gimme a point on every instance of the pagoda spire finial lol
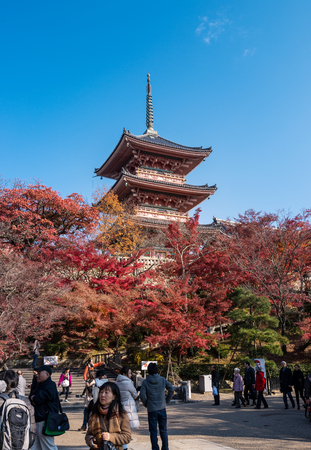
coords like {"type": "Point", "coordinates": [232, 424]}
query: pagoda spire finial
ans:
{"type": "Point", "coordinates": [149, 108]}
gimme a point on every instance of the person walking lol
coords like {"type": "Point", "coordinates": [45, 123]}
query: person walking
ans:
{"type": "Point", "coordinates": [215, 384]}
{"type": "Point", "coordinates": [260, 385]}
{"type": "Point", "coordinates": [298, 382]}
{"type": "Point", "coordinates": [249, 383]}
{"type": "Point", "coordinates": [44, 399]}
{"type": "Point", "coordinates": [21, 387]}
{"type": "Point", "coordinates": [238, 388]}
{"type": "Point", "coordinates": [152, 395]}
{"type": "Point", "coordinates": [128, 396]}
{"type": "Point", "coordinates": [286, 384]}
{"type": "Point", "coordinates": [90, 383]}
{"type": "Point", "coordinates": [36, 352]}
{"type": "Point", "coordinates": [65, 382]}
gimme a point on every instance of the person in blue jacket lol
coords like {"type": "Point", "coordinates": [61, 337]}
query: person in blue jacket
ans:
{"type": "Point", "coordinates": [153, 397]}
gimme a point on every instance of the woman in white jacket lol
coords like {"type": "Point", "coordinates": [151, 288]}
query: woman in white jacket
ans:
{"type": "Point", "coordinates": [128, 396]}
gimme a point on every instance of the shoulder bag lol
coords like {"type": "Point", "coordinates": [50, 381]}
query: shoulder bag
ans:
{"type": "Point", "coordinates": [107, 445]}
{"type": "Point", "coordinates": [55, 424]}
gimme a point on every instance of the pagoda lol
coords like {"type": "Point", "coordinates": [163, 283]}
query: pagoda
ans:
{"type": "Point", "coordinates": [150, 174]}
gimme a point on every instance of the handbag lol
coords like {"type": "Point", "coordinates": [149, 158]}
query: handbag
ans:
{"type": "Point", "coordinates": [65, 382]}
{"type": "Point", "coordinates": [55, 424]}
{"type": "Point", "coordinates": [107, 445]}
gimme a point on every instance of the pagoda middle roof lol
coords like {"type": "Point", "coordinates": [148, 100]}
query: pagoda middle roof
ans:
{"type": "Point", "coordinates": [152, 143]}
{"type": "Point", "coordinates": [123, 187]}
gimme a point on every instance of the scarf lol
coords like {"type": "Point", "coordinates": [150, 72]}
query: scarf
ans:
{"type": "Point", "coordinates": [97, 425]}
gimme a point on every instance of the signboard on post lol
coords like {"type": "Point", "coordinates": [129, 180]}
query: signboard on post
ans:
{"type": "Point", "coordinates": [50, 360]}
{"type": "Point", "coordinates": [261, 362]}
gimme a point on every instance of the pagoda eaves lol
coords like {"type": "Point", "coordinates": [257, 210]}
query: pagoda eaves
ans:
{"type": "Point", "coordinates": [150, 174]}
{"type": "Point", "coordinates": [131, 146]}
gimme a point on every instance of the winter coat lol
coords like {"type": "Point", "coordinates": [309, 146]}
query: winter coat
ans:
{"type": "Point", "coordinates": [21, 385]}
{"type": "Point", "coordinates": [215, 379]}
{"type": "Point", "coordinates": [98, 384]}
{"type": "Point", "coordinates": [249, 378]}
{"type": "Point", "coordinates": [237, 383]}
{"type": "Point", "coordinates": [45, 399]}
{"type": "Point", "coordinates": [152, 392]}
{"type": "Point", "coordinates": [298, 379]}
{"type": "Point", "coordinates": [285, 380]}
{"type": "Point", "coordinates": [128, 396]}
{"type": "Point", "coordinates": [64, 377]}
{"type": "Point", "coordinates": [90, 368]}
{"type": "Point", "coordinates": [260, 382]}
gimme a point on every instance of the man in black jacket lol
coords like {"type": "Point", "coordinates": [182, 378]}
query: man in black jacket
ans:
{"type": "Point", "coordinates": [44, 398]}
{"type": "Point", "coordinates": [286, 384]}
{"type": "Point", "coordinates": [215, 383]}
{"type": "Point", "coordinates": [249, 382]}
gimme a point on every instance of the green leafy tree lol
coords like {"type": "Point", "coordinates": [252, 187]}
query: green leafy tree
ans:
{"type": "Point", "coordinates": [254, 330]}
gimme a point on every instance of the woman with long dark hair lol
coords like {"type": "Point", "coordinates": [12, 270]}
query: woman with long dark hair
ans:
{"type": "Point", "coordinates": [109, 421]}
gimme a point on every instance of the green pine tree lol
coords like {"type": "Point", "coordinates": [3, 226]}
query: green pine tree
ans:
{"type": "Point", "coordinates": [254, 330]}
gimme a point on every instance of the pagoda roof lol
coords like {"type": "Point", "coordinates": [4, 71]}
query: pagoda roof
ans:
{"type": "Point", "coordinates": [150, 143]}
{"type": "Point", "coordinates": [127, 181]}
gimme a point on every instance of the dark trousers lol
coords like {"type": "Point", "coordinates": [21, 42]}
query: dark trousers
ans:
{"type": "Point", "coordinates": [299, 390]}
{"type": "Point", "coordinates": [262, 399]}
{"type": "Point", "coordinates": [290, 397]}
{"type": "Point", "coordinates": [35, 357]}
{"type": "Point", "coordinates": [155, 418]}
{"type": "Point", "coordinates": [216, 399]}
{"type": "Point", "coordinates": [85, 417]}
{"type": "Point", "coordinates": [65, 391]}
{"type": "Point", "coordinates": [237, 397]}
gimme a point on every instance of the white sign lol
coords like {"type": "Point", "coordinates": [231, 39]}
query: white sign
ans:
{"type": "Point", "coordinates": [145, 364]}
{"type": "Point", "coordinates": [50, 360]}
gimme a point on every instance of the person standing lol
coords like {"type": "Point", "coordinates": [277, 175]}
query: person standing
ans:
{"type": "Point", "coordinates": [36, 352]}
{"type": "Point", "coordinates": [238, 388]}
{"type": "Point", "coordinates": [152, 395]}
{"type": "Point", "coordinates": [215, 384]}
{"type": "Point", "coordinates": [128, 396]}
{"type": "Point", "coordinates": [260, 385]}
{"type": "Point", "coordinates": [249, 382]}
{"type": "Point", "coordinates": [298, 382]}
{"type": "Point", "coordinates": [44, 399]}
{"type": "Point", "coordinates": [21, 387]}
{"type": "Point", "coordinates": [65, 382]}
{"type": "Point", "coordinates": [286, 384]}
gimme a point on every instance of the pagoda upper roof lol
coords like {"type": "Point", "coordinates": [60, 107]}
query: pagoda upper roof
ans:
{"type": "Point", "coordinates": [127, 181]}
{"type": "Point", "coordinates": [150, 143]}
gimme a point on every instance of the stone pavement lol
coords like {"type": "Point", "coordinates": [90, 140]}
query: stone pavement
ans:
{"type": "Point", "coordinates": [201, 426]}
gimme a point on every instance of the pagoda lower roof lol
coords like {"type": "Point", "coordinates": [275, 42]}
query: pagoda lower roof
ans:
{"type": "Point", "coordinates": [150, 143]}
{"type": "Point", "coordinates": [127, 181]}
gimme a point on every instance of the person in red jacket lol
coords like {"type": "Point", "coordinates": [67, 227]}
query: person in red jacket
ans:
{"type": "Point", "coordinates": [260, 384]}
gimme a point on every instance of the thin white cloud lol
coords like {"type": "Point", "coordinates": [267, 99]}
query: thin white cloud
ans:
{"type": "Point", "coordinates": [202, 25]}
{"type": "Point", "coordinates": [211, 30]}
{"type": "Point", "coordinates": [250, 51]}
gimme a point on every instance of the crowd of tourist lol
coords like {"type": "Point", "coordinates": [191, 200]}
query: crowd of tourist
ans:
{"type": "Point", "coordinates": [110, 408]}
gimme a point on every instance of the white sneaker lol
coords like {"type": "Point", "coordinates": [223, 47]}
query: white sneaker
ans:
{"type": "Point", "coordinates": [66, 400]}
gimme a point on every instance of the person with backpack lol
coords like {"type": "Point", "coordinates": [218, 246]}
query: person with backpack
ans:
{"type": "Point", "coordinates": [65, 382]}
{"type": "Point", "coordinates": [12, 405]}
{"type": "Point", "coordinates": [45, 399]}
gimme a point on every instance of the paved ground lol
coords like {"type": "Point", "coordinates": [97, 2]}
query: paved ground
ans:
{"type": "Point", "coordinates": [200, 426]}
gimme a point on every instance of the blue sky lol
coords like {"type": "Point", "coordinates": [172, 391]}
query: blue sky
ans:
{"type": "Point", "coordinates": [234, 75]}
